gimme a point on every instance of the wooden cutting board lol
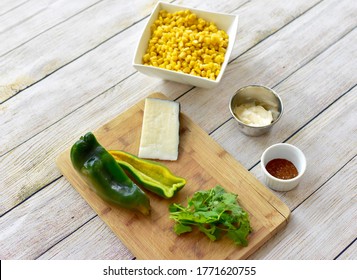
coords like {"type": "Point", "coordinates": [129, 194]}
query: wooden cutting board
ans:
{"type": "Point", "coordinates": [204, 164]}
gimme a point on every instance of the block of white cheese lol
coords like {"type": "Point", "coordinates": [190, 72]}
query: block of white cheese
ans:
{"type": "Point", "coordinates": [160, 130]}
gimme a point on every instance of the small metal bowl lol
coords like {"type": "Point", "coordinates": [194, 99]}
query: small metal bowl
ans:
{"type": "Point", "coordinates": [262, 95]}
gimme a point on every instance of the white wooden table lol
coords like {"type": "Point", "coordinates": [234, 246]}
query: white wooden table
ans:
{"type": "Point", "coordinates": [65, 69]}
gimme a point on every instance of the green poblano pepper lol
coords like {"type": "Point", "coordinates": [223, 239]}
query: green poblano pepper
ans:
{"type": "Point", "coordinates": [106, 177]}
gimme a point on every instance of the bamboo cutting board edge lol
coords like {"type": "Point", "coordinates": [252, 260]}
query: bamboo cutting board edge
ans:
{"type": "Point", "coordinates": [271, 225]}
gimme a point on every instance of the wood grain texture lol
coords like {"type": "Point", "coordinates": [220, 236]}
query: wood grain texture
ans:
{"type": "Point", "coordinates": [295, 45]}
{"type": "Point", "coordinates": [102, 62]}
{"type": "Point", "coordinates": [9, 5]}
{"type": "Point", "coordinates": [30, 18]}
{"type": "Point", "coordinates": [319, 222]}
{"type": "Point", "coordinates": [204, 165]}
{"type": "Point", "coordinates": [74, 93]}
{"type": "Point", "coordinates": [318, 227]}
{"type": "Point", "coordinates": [30, 156]}
{"type": "Point", "coordinates": [315, 142]}
{"type": "Point", "coordinates": [66, 45]}
{"type": "Point", "coordinates": [350, 253]}
{"type": "Point", "coordinates": [305, 93]}
{"type": "Point", "coordinates": [94, 240]}
{"type": "Point", "coordinates": [111, 61]}
{"type": "Point", "coordinates": [304, 49]}
{"type": "Point", "coordinates": [37, 224]}
{"type": "Point", "coordinates": [64, 41]}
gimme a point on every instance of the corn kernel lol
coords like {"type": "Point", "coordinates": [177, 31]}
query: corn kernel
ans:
{"type": "Point", "coordinates": [218, 59]}
{"type": "Point", "coordinates": [182, 55]}
{"type": "Point", "coordinates": [186, 70]}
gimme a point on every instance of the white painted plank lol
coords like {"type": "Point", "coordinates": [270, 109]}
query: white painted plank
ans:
{"type": "Point", "coordinates": [312, 132]}
{"type": "Point", "coordinates": [34, 17]}
{"type": "Point", "coordinates": [257, 20]}
{"type": "Point", "coordinates": [323, 225]}
{"type": "Point", "coordinates": [305, 93]}
{"type": "Point", "coordinates": [7, 6]}
{"type": "Point", "coordinates": [110, 61]}
{"type": "Point", "coordinates": [41, 169]}
{"type": "Point", "coordinates": [325, 152]}
{"type": "Point", "coordinates": [337, 145]}
{"type": "Point", "coordinates": [61, 44]}
{"type": "Point", "coordinates": [16, 187]}
{"type": "Point", "coordinates": [41, 166]}
{"type": "Point", "coordinates": [272, 60]}
{"type": "Point", "coordinates": [90, 75]}
{"type": "Point", "coordinates": [22, 70]}
{"type": "Point", "coordinates": [57, 89]}
{"type": "Point", "coordinates": [42, 221]}
{"type": "Point", "coordinates": [20, 76]}
{"type": "Point", "coordinates": [31, 208]}
{"type": "Point", "coordinates": [37, 156]}
{"type": "Point", "coordinates": [350, 253]}
{"type": "Point", "coordinates": [92, 241]}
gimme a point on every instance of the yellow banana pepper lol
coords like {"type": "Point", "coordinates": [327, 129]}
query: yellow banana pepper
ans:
{"type": "Point", "coordinates": [151, 175]}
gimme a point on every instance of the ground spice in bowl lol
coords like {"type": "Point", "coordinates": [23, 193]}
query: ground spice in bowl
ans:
{"type": "Point", "coordinates": [282, 169]}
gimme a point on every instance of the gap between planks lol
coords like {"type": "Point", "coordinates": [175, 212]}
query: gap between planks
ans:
{"type": "Point", "coordinates": [84, 53]}
{"type": "Point", "coordinates": [235, 58]}
{"type": "Point", "coordinates": [116, 84]}
{"type": "Point", "coordinates": [43, 31]}
{"type": "Point", "coordinates": [321, 185]}
{"type": "Point", "coordinates": [128, 27]}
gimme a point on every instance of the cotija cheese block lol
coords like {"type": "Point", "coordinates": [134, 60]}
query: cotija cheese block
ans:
{"type": "Point", "coordinates": [160, 130]}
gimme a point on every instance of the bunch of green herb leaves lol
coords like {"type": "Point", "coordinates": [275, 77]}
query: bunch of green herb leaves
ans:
{"type": "Point", "coordinates": [214, 212]}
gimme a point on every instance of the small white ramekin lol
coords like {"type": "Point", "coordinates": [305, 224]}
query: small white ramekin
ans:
{"type": "Point", "coordinates": [288, 152]}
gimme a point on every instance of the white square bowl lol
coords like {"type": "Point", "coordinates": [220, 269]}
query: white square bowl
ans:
{"type": "Point", "coordinates": [226, 22]}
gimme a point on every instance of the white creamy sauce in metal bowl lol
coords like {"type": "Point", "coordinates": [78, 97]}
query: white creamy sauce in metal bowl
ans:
{"type": "Point", "coordinates": [253, 114]}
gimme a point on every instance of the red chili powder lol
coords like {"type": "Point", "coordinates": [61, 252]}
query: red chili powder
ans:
{"type": "Point", "coordinates": [282, 169]}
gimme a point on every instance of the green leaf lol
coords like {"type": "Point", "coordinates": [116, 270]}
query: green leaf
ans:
{"type": "Point", "coordinates": [210, 232]}
{"type": "Point", "coordinates": [173, 208]}
{"type": "Point", "coordinates": [239, 236]}
{"type": "Point", "coordinates": [213, 212]}
{"type": "Point", "coordinates": [180, 228]}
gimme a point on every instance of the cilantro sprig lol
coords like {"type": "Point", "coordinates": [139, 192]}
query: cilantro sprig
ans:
{"type": "Point", "coordinates": [214, 212]}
